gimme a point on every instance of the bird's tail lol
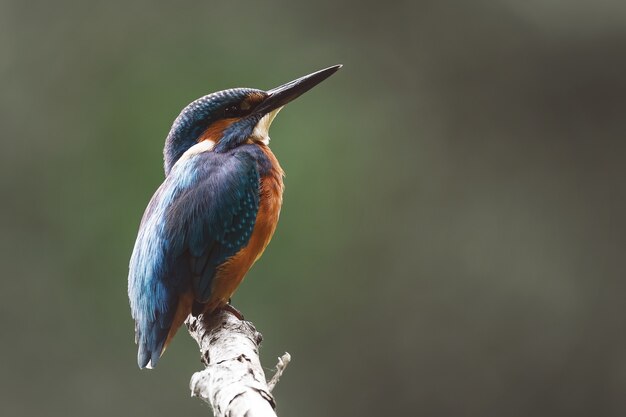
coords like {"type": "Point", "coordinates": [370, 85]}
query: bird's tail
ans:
{"type": "Point", "coordinates": [153, 342]}
{"type": "Point", "coordinates": [150, 338]}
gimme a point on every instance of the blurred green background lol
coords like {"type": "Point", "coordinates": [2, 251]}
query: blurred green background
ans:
{"type": "Point", "coordinates": [452, 238]}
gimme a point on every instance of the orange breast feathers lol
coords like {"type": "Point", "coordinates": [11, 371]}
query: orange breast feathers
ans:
{"type": "Point", "coordinates": [231, 273]}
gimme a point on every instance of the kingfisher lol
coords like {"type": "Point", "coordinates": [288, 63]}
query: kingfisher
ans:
{"type": "Point", "coordinates": [213, 215]}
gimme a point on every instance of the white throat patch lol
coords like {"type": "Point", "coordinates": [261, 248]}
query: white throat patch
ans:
{"type": "Point", "coordinates": [261, 130]}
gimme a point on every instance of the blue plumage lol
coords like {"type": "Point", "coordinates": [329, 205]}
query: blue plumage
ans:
{"type": "Point", "coordinates": [202, 214]}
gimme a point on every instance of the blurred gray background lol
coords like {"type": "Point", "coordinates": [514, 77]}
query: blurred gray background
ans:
{"type": "Point", "coordinates": [452, 237]}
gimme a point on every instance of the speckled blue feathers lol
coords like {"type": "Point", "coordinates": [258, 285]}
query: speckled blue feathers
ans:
{"type": "Point", "coordinates": [202, 214]}
{"type": "Point", "coordinates": [195, 119]}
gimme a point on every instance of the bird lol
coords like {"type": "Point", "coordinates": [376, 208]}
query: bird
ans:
{"type": "Point", "coordinates": [213, 215]}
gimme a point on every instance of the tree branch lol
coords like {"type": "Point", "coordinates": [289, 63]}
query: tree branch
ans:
{"type": "Point", "coordinates": [283, 361]}
{"type": "Point", "coordinates": [233, 382]}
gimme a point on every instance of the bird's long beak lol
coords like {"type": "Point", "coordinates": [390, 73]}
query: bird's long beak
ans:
{"type": "Point", "coordinates": [279, 96]}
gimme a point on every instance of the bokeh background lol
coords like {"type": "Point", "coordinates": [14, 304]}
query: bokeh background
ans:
{"type": "Point", "coordinates": [453, 234]}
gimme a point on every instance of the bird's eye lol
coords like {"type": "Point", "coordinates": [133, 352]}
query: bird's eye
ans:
{"type": "Point", "coordinates": [232, 111]}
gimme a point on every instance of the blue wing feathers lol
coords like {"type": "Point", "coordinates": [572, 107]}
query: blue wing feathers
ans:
{"type": "Point", "coordinates": [202, 214]}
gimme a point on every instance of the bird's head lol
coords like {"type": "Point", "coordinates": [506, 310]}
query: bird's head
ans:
{"type": "Point", "coordinates": [227, 119]}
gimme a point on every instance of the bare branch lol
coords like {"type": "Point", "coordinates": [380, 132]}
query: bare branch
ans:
{"type": "Point", "coordinates": [233, 382]}
{"type": "Point", "coordinates": [282, 364]}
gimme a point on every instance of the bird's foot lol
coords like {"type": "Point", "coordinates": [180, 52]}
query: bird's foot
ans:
{"type": "Point", "coordinates": [229, 307]}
